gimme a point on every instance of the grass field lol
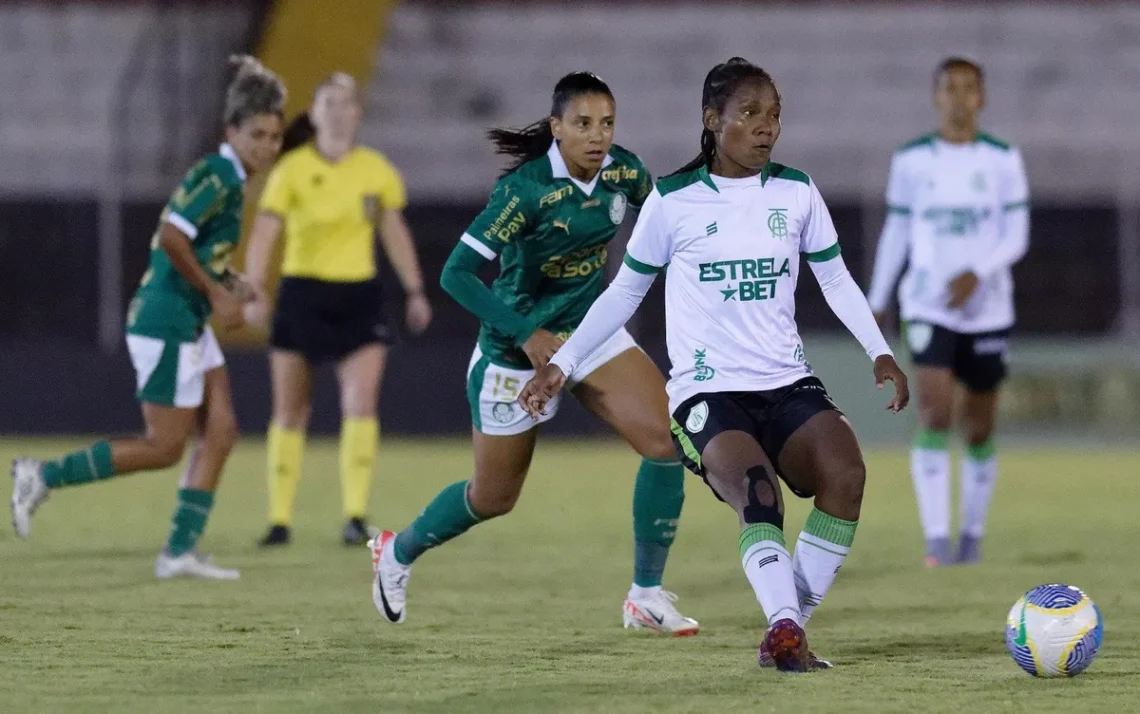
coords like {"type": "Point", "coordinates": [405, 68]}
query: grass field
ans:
{"type": "Point", "coordinates": [523, 614]}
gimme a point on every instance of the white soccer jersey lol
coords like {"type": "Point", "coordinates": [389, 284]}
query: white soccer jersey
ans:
{"type": "Point", "coordinates": [732, 250]}
{"type": "Point", "coordinates": [953, 208]}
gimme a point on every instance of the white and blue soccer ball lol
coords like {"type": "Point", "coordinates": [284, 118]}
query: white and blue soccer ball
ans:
{"type": "Point", "coordinates": [1054, 631]}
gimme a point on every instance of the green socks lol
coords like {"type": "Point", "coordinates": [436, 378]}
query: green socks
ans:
{"type": "Point", "coordinates": [189, 520]}
{"type": "Point", "coordinates": [658, 495]}
{"type": "Point", "coordinates": [448, 516]}
{"type": "Point", "coordinates": [93, 464]}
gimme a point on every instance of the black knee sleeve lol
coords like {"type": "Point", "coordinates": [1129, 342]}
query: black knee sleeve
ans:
{"type": "Point", "coordinates": [762, 502]}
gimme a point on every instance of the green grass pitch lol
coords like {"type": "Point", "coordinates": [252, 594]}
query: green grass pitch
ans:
{"type": "Point", "coordinates": [523, 614]}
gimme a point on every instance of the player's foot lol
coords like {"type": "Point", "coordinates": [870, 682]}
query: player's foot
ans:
{"type": "Point", "coordinates": [786, 644]}
{"type": "Point", "coordinates": [28, 492]}
{"type": "Point", "coordinates": [389, 578]}
{"type": "Point", "coordinates": [654, 610]}
{"type": "Point", "coordinates": [765, 659]}
{"type": "Point", "coordinates": [357, 532]}
{"type": "Point", "coordinates": [969, 549]}
{"type": "Point", "coordinates": [191, 565]}
{"type": "Point", "coordinates": [938, 552]}
{"type": "Point", "coordinates": [277, 535]}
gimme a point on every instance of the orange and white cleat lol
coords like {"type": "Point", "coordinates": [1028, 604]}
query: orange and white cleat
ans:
{"type": "Point", "coordinates": [653, 609]}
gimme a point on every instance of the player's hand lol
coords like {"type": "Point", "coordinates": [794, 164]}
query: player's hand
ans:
{"type": "Point", "coordinates": [546, 382]}
{"type": "Point", "coordinates": [540, 347]}
{"type": "Point", "coordinates": [239, 285]}
{"type": "Point", "coordinates": [886, 369]}
{"type": "Point", "coordinates": [961, 288]}
{"type": "Point", "coordinates": [227, 307]}
{"type": "Point", "coordinates": [417, 313]}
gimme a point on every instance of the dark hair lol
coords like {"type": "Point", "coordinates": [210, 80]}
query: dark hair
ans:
{"type": "Point", "coordinates": [958, 62]}
{"type": "Point", "coordinates": [721, 83]}
{"type": "Point", "coordinates": [301, 130]}
{"type": "Point", "coordinates": [533, 141]}
{"type": "Point", "coordinates": [253, 90]}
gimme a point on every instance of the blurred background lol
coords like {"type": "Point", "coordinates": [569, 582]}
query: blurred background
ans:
{"type": "Point", "coordinates": [103, 105]}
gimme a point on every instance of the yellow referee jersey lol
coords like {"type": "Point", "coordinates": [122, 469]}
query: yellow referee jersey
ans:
{"type": "Point", "coordinates": [330, 211]}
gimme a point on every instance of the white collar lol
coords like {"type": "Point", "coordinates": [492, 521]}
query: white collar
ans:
{"type": "Point", "coordinates": [228, 151]}
{"type": "Point", "coordinates": [558, 168]}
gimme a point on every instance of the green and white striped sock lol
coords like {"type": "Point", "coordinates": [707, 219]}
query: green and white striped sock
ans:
{"type": "Point", "coordinates": [822, 547]}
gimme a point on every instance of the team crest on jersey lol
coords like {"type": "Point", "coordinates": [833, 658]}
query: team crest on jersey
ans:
{"type": "Point", "coordinates": [698, 415]}
{"type": "Point", "coordinates": [617, 209]}
{"type": "Point", "coordinates": [778, 222]}
{"type": "Point", "coordinates": [918, 336]}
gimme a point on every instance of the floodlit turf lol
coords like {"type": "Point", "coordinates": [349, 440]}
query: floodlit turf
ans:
{"type": "Point", "coordinates": [524, 615]}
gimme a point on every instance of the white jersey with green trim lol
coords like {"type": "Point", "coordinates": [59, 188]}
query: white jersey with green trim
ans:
{"type": "Point", "coordinates": [732, 247]}
{"type": "Point", "coordinates": [953, 208]}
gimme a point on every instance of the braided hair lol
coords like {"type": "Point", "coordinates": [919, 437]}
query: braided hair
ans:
{"type": "Point", "coordinates": [720, 84]}
{"type": "Point", "coordinates": [253, 90]}
{"type": "Point", "coordinates": [534, 140]}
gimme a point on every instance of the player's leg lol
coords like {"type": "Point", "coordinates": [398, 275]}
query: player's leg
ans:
{"type": "Point", "coordinates": [359, 375]}
{"type": "Point", "coordinates": [292, 379]}
{"type": "Point", "coordinates": [217, 435]}
{"type": "Point", "coordinates": [933, 351]}
{"type": "Point", "coordinates": [983, 372]}
{"type": "Point", "coordinates": [503, 436]}
{"type": "Point", "coordinates": [169, 394]}
{"type": "Point", "coordinates": [628, 393]}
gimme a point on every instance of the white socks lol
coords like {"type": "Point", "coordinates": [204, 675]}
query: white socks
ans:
{"type": "Point", "coordinates": [930, 471]}
{"type": "Point", "coordinates": [979, 472]}
{"type": "Point", "coordinates": [768, 567]}
{"type": "Point", "coordinates": [822, 547]}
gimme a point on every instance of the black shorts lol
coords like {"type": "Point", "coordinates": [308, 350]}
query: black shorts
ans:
{"type": "Point", "coordinates": [771, 417]}
{"type": "Point", "coordinates": [327, 321]}
{"type": "Point", "coordinates": [977, 359]}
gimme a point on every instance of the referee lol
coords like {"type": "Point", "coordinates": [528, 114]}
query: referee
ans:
{"type": "Point", "coordinates": [329, 196]}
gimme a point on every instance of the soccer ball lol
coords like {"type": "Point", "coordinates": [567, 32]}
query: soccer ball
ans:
{"type": "Point", "coordinates": [1054, 631]}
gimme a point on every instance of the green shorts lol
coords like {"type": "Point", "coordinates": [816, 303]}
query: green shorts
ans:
{"type": "Point", "coordinates": [492, 389]}
{"type": "Point", "coordinates": [171, 373]}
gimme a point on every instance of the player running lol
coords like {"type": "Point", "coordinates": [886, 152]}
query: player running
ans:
{"type": "Point", "coordinates": [730, 228]}
{"type": "Point", "coordinates": [958, 211]}
{"type": "Point", "coordinates": [182, 380]}
{"type": "Point", "coordinates": [329, 197]}
{"type": "Point", "coordinates": [549, 220]}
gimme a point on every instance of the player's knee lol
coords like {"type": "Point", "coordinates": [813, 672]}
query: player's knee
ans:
{"type": "Point", "coordinates": [935, 417]}
{"type": "Point", "coordinates": [762, 504]}
{"type": "Point", "coordinates": [166, 451]}
{"type": "Point", "coordinates": [492, 502]}
{"type": "Point", "coordinates": [842, 488]}
{"type": "Point", "coordinates": [659, 448]}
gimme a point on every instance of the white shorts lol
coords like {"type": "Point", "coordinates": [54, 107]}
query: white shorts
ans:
{"type": "Point", "coordinates": [173, 374]}
{"type": "Point", "coordinates": [492, 389]}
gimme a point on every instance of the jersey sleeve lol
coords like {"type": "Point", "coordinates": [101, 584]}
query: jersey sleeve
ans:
{"type": "Point", "coordinates": [899, 195]}
{"type": "Point", "coordinates": [818, 240]}
{"type": "Point", "coordinates": [1014, 186]}
{"type": "Point", "coordinates": [651, 246]}
{"type": "Point", "coordinates": [642, 185]}
{"type": "Point", "coordinates": [277, 196]}
{"type": "Point", "coordinates": [508, 213]}
{"type": "Point", "coordinates": [390, 186]}
{"type": "Point", "coordinates": [199, 197]}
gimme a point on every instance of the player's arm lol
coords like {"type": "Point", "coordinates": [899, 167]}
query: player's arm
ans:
{"type": "Point", "coordinates": [507, 216]}
{"type": "Point", "coordinates": [820, 246]}
{"type": "Point", "coordinates": [1014, 240]}
{"type": "Point", "coordinates": [650, 250]}
{"type": "Point", "coordinates": [396, 240]}
{"type": "Point", "coordinates": [894, 241]}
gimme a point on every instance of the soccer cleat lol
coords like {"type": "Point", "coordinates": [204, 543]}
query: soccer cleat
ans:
{"type": "Point", "coordinates": [656, 612]}
{"type": "Point", "coordinates": [277, 535]}
{"type": "Point", "coordinates": [969, 549]}
{"type": "Point", "coordinates": [191, 565]}
{"type": "Point", "coordinates": [389, 578]}
{"type": "Point", "coordinates": [765, 660]}
{"type": "Point", "coordinates": [357, 532]}
{"type": "Point", "coordinates": [28, 492]}
{"type": "Point", "coordinates": [937, 552]}
{"type": "Point", "coordinates": [786, 644]}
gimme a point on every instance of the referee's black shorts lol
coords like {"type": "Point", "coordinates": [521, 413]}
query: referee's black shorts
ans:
{"type": "Point", "coordinates": [328, 321]}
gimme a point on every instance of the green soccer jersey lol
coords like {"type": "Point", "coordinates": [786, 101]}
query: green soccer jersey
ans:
{"type": "Point", "coordinates": [551, 233]}
{"type": "Point", "coordinates": [207, 207]}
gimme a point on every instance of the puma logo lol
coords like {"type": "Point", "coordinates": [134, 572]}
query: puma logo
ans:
{"type": "Point", "coordinates": [564, 225]}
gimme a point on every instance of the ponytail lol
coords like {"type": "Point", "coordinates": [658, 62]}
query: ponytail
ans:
{"type": "Point", "coordinates": [299, 132]}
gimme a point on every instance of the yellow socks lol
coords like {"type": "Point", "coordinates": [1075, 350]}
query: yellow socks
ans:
{"type": "Point", "coordinates": [286, 449]}
{"type": "Point", "coordinates": [359, 439]}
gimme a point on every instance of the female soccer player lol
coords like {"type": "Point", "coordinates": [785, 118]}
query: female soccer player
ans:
{"type": "Point", "coordinates": [550, 218]}
{"type": "Point", "coordinates": [329, 197]}
{"type": "Point", "coordinates": [958, 211]}
{"type": "Point", "coordinates": [731, 227]}
{"type": "Point", "coordinates": [181, 375]}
